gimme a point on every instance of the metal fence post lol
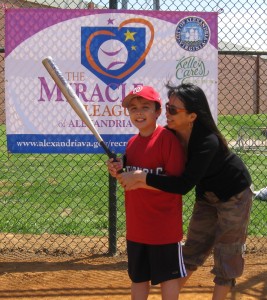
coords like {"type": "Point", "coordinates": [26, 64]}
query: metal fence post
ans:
{"type": "Point", "coordinates": [156, 5]}
{"type": "Point", "coordinates": [113, 4]}
{"type": "Point", "coordinates": [112, 216]}
{"type": "Point", "coordinates": [124, 4]}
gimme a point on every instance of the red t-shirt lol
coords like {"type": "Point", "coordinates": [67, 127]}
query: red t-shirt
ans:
{"type": "Point", "coordinates": [154, 217]}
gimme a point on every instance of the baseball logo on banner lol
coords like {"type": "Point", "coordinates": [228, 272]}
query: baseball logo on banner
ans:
{"type": "Point", "coordinates": [115, 53]}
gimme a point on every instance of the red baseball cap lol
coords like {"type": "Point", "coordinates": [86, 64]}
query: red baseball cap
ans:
{"type": "Point", "coordinates": [143, 91]}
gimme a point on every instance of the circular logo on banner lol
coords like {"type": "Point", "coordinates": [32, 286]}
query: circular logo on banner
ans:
{"type": "Point", "coordinates": [192, 33]}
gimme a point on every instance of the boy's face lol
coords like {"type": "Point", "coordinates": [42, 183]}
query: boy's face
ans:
{"type": "Point", "coordinates": [143, 115]}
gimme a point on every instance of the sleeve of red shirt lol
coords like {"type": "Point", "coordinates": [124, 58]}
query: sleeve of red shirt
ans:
{"type": "Point", "coordinates": [173, 155]}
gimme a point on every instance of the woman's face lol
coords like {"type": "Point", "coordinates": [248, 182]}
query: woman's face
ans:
{"type": "Point", "coordinates": [182, 120]}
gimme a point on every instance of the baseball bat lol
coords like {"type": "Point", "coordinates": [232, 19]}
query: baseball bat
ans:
{"type": "Point", "coordinates": [74, 101]}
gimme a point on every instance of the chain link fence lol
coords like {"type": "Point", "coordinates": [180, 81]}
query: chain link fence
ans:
{"type": "Point", "coordinates": [67, 204]}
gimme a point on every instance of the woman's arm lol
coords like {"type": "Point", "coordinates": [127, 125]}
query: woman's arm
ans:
{"type": "Point", "coordinates": [200, 160]}
{"type": "Point", "coordinates": [128, 180]}
{"type": "Point", "coordinates": [138, 179]}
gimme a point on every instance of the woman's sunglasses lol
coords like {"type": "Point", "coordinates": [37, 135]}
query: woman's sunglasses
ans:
{"type": "Point", "coordinates": [173, 110]}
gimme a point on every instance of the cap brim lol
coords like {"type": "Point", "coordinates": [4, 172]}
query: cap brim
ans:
{"type": "Point", "coordinates": [127, 100]}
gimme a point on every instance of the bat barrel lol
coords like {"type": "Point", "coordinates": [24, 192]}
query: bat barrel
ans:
{"type": "Point", "coordinates": [74, 101]}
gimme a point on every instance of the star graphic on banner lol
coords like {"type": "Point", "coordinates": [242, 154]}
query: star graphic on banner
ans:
{"type": "Point", "coordinates": [110, 21]}
{"type": "Point", "coordinates": [129, 35]}
{"type": "Point", "coordinates": [133, 48]}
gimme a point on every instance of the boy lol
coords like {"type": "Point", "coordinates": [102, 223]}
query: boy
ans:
{"type": "Point", "coordinates": [153, 217]}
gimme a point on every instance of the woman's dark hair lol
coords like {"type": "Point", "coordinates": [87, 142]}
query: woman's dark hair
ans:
{"type": "Point", "coordinates": [195, 101]}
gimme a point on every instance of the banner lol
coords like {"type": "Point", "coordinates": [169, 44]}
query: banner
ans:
{"type": "Point", "coordinates": [103, 54]}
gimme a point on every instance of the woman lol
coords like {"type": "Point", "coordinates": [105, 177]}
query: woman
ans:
{"type": "Point", "coordinates": [222, 186]}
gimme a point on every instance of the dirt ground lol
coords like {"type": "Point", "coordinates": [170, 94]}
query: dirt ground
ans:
{"type": "Point", "coordinates": [25, 275]}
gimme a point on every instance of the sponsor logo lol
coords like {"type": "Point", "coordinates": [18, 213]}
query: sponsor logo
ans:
{"type": "Point", "coordinates": [190, 67]}
{"type": "Point", "coordinates": [192, 33]}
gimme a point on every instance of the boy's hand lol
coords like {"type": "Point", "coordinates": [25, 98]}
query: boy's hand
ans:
{"type": "Point", "coordinates": [114, 166]}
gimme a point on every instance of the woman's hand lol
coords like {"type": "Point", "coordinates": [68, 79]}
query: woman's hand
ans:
{"type": "Point", "coordinates": [114, 166]}
{"type": "Point", "coordinates": [132, 180]}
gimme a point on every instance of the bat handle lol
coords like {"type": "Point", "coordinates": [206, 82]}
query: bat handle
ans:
{"type": "Point", "coordinates": [110, 154]}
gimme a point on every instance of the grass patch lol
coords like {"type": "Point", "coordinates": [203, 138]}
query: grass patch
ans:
{"type": "Point", "coordinates": [69, 194]}
{"type": "Point", "coordinates": [230, 125]}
